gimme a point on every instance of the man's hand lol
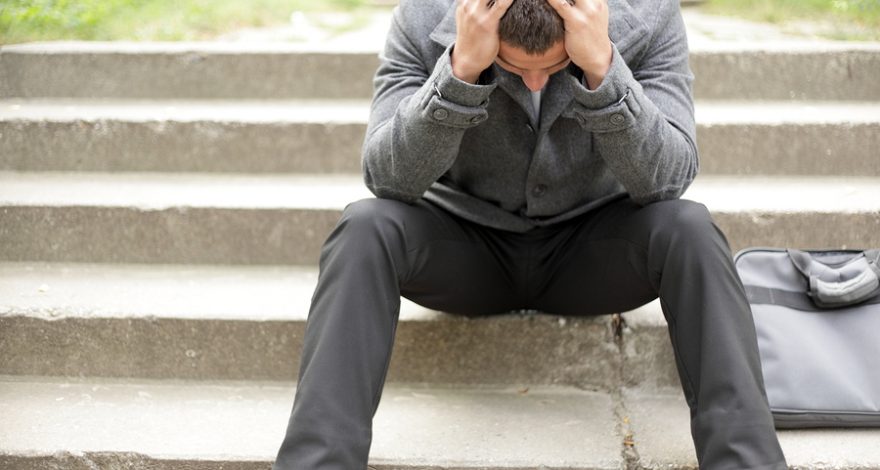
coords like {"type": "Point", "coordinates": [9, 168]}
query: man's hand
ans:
{"type": "Point", "coordinates": [476, 41]}
{"type": "Point", "coordinates": [586, 36]}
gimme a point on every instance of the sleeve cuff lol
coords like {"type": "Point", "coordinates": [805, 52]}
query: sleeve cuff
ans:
{"type": "Point", "coordinates": [454, 102]}
{"type": "Point", "coordinates": [455, 90]}
{"type": "Point", "coordinates": [612, 106]}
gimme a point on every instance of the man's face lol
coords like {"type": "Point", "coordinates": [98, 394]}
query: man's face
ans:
{"type": "Point", "coordinates": [535, 70]}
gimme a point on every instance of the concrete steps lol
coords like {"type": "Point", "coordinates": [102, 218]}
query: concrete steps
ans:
{"type": "Point", "coordinates": [169, 425]}
{"type": "Point", "coordinates": [173, 425]}
{"type": "Point", "coordinates": [325, 136]}
{"type": "Point", "coordinates": [161, 211]}
{"type": "Point", "coordinates": [659, 424]}
{"type": "Point", "coordinates": [741, 70]}
{"type": "Point", "coordinates": [247, 323]}
{"type": "Point", "coordinates": [184, 70]}
{"type": "Point", "coordinates": [247, 219]}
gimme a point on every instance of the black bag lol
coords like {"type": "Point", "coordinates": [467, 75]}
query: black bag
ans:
{"type": "Point", "coordinates": [817, 315]}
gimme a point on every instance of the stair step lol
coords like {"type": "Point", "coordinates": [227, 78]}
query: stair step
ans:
{"type": "Point", "coordinates": [224, 322]}
{"type": "Point", "coordinates": [170, 425]}
{"type": "Point", "coordinates": [788, 138]}
{"type": "Point", "coordinates": [660, 423]}
{"type": "Point", "coordinates": [160, 70]}
{"type": "Point", "coordinates": [247, 219]}
{"type": "Point", "coordinates": [205, 425]}
{"type": "Point", "coordinates": [170, 218]}
{"type": "Point", "coordinates": [725, 70]}
{"type": "Point", "coordinates": [648, 360]}
{"type": "Point", "coordinates": [304, 136]}
{"type": "Point", "coordinates": [786, 70]}
{"type": "Point", "coordinates": [325, 136]}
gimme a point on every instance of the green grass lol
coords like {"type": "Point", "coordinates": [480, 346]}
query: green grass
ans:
{"type": "Point", "coordinates": [181, 20]}
{"type": "Point", "coordinates": [154, 20]}
{"type": "Point", "coordinates": [837, 19]}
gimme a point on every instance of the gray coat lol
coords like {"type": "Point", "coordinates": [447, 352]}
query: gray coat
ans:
{"type": "Point", "coordinates": [476, 151]}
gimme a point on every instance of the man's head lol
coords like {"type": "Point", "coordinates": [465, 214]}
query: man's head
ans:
{"type": "Point", "coordinates": [531, 25]}
{"type": "Point", "coordinates": [532, 42]}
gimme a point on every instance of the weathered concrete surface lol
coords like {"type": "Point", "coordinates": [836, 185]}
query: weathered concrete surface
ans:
{"type": "Point", "coordinates": [648, 360]}
{"type": "Point", "coordinates": [156, 424]}
{"type": "Point", "coordinates": [787, 71]}
{"type": "Point", "coordinates": [797, 138]}
{"type": "Point", "coordinates": [277, 137]}
{"type": "Point", "coordinates": [769, 70]}
{"type": "Point", "coordinates": [220, 219]}
{"type": "Point", "coordinates": [804, 212]}
{"type": "Point", "coordinates": [150, 218]}
{"type": "Point", "coordinates": [248, 323]}
{"type": "Point", "coordinates": [184, 70]}
{"type": "Point", "coordinates": [661, 432]}
{"type": "Point", "coordinates": [247, 137]}
{"type": "Point", "coordinates": [314, 136]}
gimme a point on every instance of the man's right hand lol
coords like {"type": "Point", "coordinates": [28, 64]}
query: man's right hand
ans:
{"type": "Point", "coordinates": [476, 40]}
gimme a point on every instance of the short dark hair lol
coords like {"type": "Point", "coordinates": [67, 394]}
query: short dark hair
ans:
{"type": "Point", "coordinates": [531, 25]}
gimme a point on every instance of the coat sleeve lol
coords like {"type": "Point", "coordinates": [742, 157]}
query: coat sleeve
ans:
{"type": "Point", "coordinates": [417, 118]}
{"type": "Point", "coordinates": [642, 120]}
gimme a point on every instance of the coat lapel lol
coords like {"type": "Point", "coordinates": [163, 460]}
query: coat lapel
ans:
{"type": "Point", "coordinates": [558, 95]}
{"type": "Point", "coordinates": [513, 85]}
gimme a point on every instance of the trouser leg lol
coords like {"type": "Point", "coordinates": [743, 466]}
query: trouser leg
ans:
{"type": "Point", "coordinates": [625, 255]}
{"type": "Point", "coordinates": [379, 249]}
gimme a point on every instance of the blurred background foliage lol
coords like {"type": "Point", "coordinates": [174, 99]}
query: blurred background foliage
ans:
{"type": "Point", "coordinates": [176, 20]}
{"type": "Point", "coordinates": [142, 20]}
{"type": "Point", "coordinates": [835, 19]}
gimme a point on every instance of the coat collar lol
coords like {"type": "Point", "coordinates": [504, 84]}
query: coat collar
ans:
{"type": "Point", "coordinates": [625, 29]}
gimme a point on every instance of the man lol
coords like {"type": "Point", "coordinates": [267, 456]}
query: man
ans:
{"type": "Point", "coordinates": [528, 154]}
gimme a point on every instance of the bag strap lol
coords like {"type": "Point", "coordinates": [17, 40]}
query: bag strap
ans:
{"type": "Point", "coordinates": [797, 300]}
{"type": "Point", "coordinates": [863, 285]}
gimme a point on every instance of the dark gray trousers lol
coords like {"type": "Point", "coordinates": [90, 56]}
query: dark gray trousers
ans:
{"type": "Point", "coordinates": [612, 259]}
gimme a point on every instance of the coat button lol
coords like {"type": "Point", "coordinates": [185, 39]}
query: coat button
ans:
{"type": "Point", "coordinates": [539, 190]}
{"type": "Point", "coordinates": [617, 119]}
{"type": "Point", "coordinates": [440, 114]}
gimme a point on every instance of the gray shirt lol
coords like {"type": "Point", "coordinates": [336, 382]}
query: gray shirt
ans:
{"type": "Point", "coordinates": [478, 150]}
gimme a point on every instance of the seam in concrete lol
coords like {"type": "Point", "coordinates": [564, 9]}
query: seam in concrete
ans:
{"type": "Point", "coordinates": [628, 451]}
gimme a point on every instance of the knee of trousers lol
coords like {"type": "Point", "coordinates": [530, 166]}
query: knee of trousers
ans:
{"type": "Point", "coordinates": [685, 224]}
{"type": "Point", "coordinates": [367, 228]}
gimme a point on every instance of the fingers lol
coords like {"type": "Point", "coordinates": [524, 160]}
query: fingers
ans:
{"type": "Point", "coordinates": [499, 7]}
{"type": "Point", "coordinates": [567, 8]}
{"type": "Point", "coordinates": [491, 9]}
{"type": "Point", "coordinates": [562, 7]}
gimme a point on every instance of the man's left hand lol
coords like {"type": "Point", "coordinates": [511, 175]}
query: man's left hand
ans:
{"type": "Point", "coordinates": [586, 36]}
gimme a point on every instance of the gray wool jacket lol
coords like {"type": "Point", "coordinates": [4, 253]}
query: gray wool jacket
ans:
{"type": "Point", "coordinates": [477, 151]}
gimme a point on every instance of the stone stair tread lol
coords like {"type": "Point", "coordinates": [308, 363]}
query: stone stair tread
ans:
{"type": "Point", "coordinates": [54, 291]}
{"type": "Point", "coordinates": [192, 423]}
{"type": "Point", "coordinates": [374, 47]}
{"type": "Point", "coordinates": [156, 191]}
{"type": "Point", "coordinates": [325, 111]}
{"type": "Point", "coordinates": [729, 112]}
{"type": "Point", "coordinates": [268, 70]}
{"type": "Point", "coordinates": [348, 111]}
{"type": "Point", "coordinates": [247, 323]}
{"type": "Point", "coordinates": [183, 47]}
{"type": "Point", "coordinates": [660, 424]}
